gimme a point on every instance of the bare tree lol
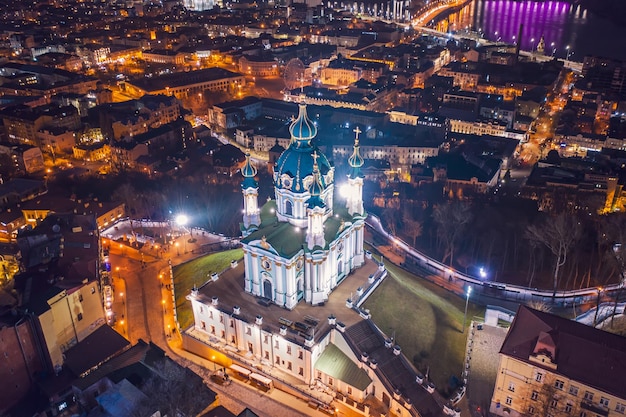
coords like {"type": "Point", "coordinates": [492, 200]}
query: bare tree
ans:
{"type": "Point", "coordinates": [127, 194]}
{"type": "Point", "coordinates": [174, 391]}
{"type": "Point", "coordinates": [559, 234]}
{"type": "Point", "coordinates": [390, 217]}
{"type": "Point", "coordinates": [413, 228]}
{"type": "Point", "coordinates": [451, 219]}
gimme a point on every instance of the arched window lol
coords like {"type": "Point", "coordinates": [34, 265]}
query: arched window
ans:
{"type": "Point", "coordinates": [288, 208]}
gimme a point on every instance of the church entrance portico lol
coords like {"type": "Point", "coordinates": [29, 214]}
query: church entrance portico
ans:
{"type": "Point", "coordinates": [300, 287]}
{"type": "Point", "coordinates": [267, 289]}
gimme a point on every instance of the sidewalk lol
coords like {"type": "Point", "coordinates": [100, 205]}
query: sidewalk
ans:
{"type": "Point", "coordinates": [272, 403]}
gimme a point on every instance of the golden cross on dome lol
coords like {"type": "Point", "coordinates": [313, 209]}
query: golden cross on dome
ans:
{"type": "Point", "coordinates": [358, 132]}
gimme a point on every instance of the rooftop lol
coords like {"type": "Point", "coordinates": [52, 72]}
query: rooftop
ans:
{"type": "Point", "coordinates": [229, 289]}
{"type": "Point", "coordinates": [582, 353]}
{"type": "Point", "coordinates": [180, 79]}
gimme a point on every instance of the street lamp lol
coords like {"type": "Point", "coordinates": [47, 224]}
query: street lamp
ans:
{"type": "Point", "coordinates": [595, 317]}
{"type": "Point", "coordinates": [177, 248]}
{"type": "Point", "coordinates": [181, 221]}
{"type": "Point", "coordinates": [467, 296]}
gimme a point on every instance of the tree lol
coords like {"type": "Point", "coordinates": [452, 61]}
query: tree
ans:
{"type": "Point", "coordinates": [412, 227]}
{"type": "Point", "coordinates": [127, 194]}
{"type": "Point", "coordinates": [390, 217]}
{"type": "Point", "coordinates": [174, 391]}
{"type": "Point", "coordinates": [7, 167]}
{"type": "Point", "coordinates": [559, 234]}
{"type": "Point", "coordinates": [451, 219]}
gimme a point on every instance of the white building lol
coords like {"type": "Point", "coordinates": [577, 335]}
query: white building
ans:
{"type": "Point", "coordinates": [302, 249]}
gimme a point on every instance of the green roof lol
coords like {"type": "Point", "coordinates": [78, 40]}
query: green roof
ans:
{"type": "Point", "coordinates": [288, 239]}
{"type": "Point", "coordinates": [282, 236]}
{"type": "Point", "coordinates": [336, 364]}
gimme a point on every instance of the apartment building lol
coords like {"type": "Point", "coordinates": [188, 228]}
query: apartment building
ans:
{"type": "Point", "coordinates": [552, 366]}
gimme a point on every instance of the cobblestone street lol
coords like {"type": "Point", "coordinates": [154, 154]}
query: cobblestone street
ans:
{"type": "Point", "coordinates": [484, 359]}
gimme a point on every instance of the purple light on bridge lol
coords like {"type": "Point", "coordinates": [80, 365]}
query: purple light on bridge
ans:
{"type": "Point", "coordinates": [545, 19]}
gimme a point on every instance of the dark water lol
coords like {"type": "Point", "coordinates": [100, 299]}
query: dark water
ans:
{"type": "Point", "coordinates": [561, 23]}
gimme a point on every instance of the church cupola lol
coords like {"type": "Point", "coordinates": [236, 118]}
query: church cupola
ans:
{"type": "Point", "coordinates": [293, 173]}
{"type": "Point", "coordinates": [250, 190]}
{"type": "Point", "coordinates": [315, 210]}
{"type": "Point", "coordinates": [354, 197]}
{"type": "Point", "coordinates": [302, 129]}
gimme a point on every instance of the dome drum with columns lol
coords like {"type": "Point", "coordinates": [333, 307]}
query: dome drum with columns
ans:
{"type": "Point", "coordinates": [299, 247]}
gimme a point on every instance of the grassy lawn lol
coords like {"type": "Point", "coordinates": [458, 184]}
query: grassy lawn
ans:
{"type": "Point", "coordinates": [427, 321]}
{"type": "Point", "coordinates": [198, 272]}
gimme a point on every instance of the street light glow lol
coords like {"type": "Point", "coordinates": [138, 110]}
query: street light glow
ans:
{"type": "Point", "coordinates": [181, 219]}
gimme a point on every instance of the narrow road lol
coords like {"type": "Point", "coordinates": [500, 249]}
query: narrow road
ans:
{"type": "Point", "coordinates": [146, 316]}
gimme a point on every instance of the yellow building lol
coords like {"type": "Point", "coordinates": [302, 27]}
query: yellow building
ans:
{"type": "Point", "coordinates": [66, 317]}
{"type": "Point", "coordinates": [551, 366]}
{"type": "Point", "coordinates": [105, 213]}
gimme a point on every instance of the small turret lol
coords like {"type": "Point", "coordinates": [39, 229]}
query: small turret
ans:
{"type": "Point", "coordinates": [315, 210]}
{"type": "Point", "coordinates": [354, 197]}
{"type": "Point", "coordinates": [250, 190]}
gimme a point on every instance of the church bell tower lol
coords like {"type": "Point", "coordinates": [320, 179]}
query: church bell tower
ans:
{"type": "Point", "coordinates": [354, 202]}
{"type": "Point", "coordinates": [250, 190]}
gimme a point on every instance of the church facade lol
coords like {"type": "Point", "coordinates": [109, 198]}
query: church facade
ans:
{"type": "Point", "coordinates": [301, 245]}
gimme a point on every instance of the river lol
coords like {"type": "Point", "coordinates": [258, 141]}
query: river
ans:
{"type": "Point", "coordinates": [567, 28]}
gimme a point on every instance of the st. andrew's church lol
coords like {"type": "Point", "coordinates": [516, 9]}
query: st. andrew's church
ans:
{"type": "Point", "coordinates": [301, 245]}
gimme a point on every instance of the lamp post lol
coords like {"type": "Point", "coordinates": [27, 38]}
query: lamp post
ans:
{"type": "Point", "coordinates": [467, 296]}
{"type": "Point", "coordinates": [181, 221]}
{"type": "Point", "coordinates": [595, 317]}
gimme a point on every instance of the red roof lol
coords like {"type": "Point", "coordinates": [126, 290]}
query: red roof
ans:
{"type": "Point", "coordinates": [582, 353]}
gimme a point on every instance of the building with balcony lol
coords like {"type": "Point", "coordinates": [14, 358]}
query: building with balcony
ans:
{"type": "Point", "coordinates": [552, 366]}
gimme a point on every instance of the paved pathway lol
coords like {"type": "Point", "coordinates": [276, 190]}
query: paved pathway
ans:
{"type": "Point", "coordinates": [147, 310]}
{"type": "Point", "coordinates": [484, 360]}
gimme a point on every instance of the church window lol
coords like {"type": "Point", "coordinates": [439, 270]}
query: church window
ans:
{"type": "Point", "coordinates": [289, 366]}
{"type": "Point", "coordinates": [277, 360]}
{"type": "Point", "coordinates": [212, 329]}
{"type": "Point", "coordinates": [288, 350]}
{"type": "Point", "coordinates": [301, 371]}
{"type": "Point", "coordinates": [288, 208]}
{"type": "Point", "coordinates": [300, 354]}
{"type": "Point", "coordinates": [203, 324]}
